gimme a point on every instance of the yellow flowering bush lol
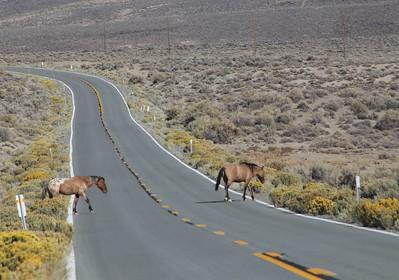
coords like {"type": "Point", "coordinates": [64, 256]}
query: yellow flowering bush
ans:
{"type": "Point", "coordinates": [321, 206]}
{"type": "Point", "coordinates": [313, 198]}
{"type": "Point", "coordinates": [23, 254]}
{"type": "Point", "coordinates": [36, 175]}
{"type": "Point", "coordinates": [384, 213]}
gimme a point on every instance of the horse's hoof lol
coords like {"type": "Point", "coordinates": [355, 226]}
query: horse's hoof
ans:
{"type": "Point", "coordinates": [228, 199]}
{"type": "Point", "coordinates": [75, 213]}
{"type": "Point", "coordinates": [91, 211]}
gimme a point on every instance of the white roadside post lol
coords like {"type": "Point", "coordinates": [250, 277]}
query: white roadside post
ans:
{"type": "Point", "coordinates": [357, 188]}
{"type": "Point", "coordinates": [51, 154]}
{"type": "Point", "coordinates": [21, 209]}
{"type": "Point", "coordinates": [71, 67]}
{"type": "Point", "coordinates": [191, 146]}
{"type": "Point", "coordinates": [148, 108]}
{"type": "Point", "coordinates": [42, 63]}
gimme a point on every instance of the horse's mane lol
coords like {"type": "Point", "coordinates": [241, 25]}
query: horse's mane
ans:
{"type": "Point", "coordinates": [249, 164]}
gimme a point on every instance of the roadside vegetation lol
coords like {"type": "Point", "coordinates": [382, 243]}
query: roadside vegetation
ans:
{"type": "Point", "coordinates": [314, 118]}
{"type": "Point", "coordinates": [34, 121]}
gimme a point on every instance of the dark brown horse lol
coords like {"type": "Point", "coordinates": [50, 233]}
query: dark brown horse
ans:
{"type": "Point", "coordinates": [77, 185]}
{"type": "Point", "coordinates": [242, 172]}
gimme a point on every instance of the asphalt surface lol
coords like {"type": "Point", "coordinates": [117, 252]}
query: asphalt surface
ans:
{"type": "Point", "coordinates": [131, 236]}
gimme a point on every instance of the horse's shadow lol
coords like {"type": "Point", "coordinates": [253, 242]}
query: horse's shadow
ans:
{"type": "Point", "coordinates": [215, 201]}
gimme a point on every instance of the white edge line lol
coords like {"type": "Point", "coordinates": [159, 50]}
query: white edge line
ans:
{"type": "Point", "coordinates": [209, 179]}
{"type": "Point", "coordinates": [71, 265]}
{"type": "Point", "coordinates": [235, 192]}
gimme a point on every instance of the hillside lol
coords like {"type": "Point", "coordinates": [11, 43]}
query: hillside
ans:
{"type": "Point", "coordinates": [75, 25]}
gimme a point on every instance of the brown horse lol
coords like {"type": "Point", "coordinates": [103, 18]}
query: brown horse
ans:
{"type": "Point", "coordinates": [77, 185]}
{"type": "Point", "coordinates": [242, 172]}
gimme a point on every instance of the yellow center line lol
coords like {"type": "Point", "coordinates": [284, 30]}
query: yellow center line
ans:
{"type": "Point", "coordinates": [241, 242]}
{"type": "Point", "coordinates": [219, 232]}
{"type": "Point", "coordinates": [321, 271]}
{"type": "Point", "coordinates": [287, 267]}
{"type": "Point", "coordinates": [201, 225]}
{"type": "Point", "coordinates": [186, 220]}
{"type": "Point", "coordinates": [274, 254]}
{"type": "Point", "coordinates": [165, 206]}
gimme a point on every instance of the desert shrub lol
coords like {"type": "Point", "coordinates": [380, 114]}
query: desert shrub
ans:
{"type": "Point", "coordinates": [43, 222]}
{"type": "Point", "coordinates": [8, 118]}
{"type": "Point", "coordinates": [242, 119]}
{"type": "Point", "coordinates": [316, 118]}
{"type": "Point", "coordinates": [381, 188]}
{"type": "Point", "coordinates": [52, 207]}
{"type": "Point", "coordinates": [383, 214]}
{"type": "Point", "coordinates": [283, 118]}
{"type": "Point", "coordinates": [303, 107]}
{"type": "Point", "coordinates": [9, 219]}
{"type": "Point", "coordinates": [282, 196]}
{"type": "Point", "coordinates": [178, 138]}
{"type": "Point", "coordinates": [359, 109]}
{"type": "Point", "coordinates": [350, 93]}
{"type": "Point", "coordinates": [206, 156]}
{"type": "Point", "coordinates": [321, 206]}
{"type": "Point", "coordinates": [285, 179]}
{"type": "Point", "coordinates": [278, 165]}
{"type": "Point", "coordinates": [26, 255]}
{"type": "Point", "coordinates": [135, 79]}
{"type": "Point", "coordinates": [218, 131]}
{"type": "Point", "coordinates": [318, 173]}
{"type": "Point", "coordinates": [314, 198]}
{"type": "Point", "coordinates": [256, 185]}
{"type": "Point", "coordinates": [50, 85]}
{"type": "Point", "coordinates": [264, 119]}
{"type": "Point", "coordinates": [331, 106]}
{"type": "Point", "coordinates": [36, 174]}
{"type": "Point", "coordinates": [296, 95]}
{"type": "Point", "coordinates": [5, 134]}
{"type": "Point", "coordinates": [389, 120]}
{"type": "Point", "coordinates": [347, 178]}
{"type": "Point", "coordinates": [172, 113]}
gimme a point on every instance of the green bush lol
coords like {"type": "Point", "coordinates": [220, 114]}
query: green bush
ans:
{"type": "Point", "coordinates": [45, 223]}
{"type": "Point", "coordinates": [285, 179]}
{"type": "Point", "coordinates": [55, 207]}
{"type": "Point", "coordinates": [389, 120]}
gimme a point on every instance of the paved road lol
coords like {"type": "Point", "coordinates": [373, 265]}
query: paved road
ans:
{"type": "Point", "coordinates": [131, 236]}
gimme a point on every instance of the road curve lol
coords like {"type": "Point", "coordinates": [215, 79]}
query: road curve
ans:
{"type": "Point", "coordinates": [185, 231]}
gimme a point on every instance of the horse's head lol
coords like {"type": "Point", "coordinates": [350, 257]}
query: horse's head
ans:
{"type": "Point", "coordinates": [101, 184]}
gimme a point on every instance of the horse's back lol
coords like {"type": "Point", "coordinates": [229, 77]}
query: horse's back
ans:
{"type": "Point", "coordinates": [237, 172]}
{"type": "Point", "coordinates": [54, 184]}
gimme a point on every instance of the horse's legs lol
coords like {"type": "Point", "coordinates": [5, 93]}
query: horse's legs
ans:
{"type": "Point", "coordinates": [252, 192]}
{"type": "Point", "coordinates": [88, 202]}
{"type": "Point", "coordinates": [244, 196]}
{"type": "Point", "coordinates": [227, 197]}
{"type": "Point", "coordinates": [75, 203]}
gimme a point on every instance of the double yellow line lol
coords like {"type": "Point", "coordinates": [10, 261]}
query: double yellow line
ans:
{"type": "Point", "coordinates": [96, 92]}
{"type": "Point", "coordinates": [272, 257]}
{"type": "Point", "coordinates": [307, 273]}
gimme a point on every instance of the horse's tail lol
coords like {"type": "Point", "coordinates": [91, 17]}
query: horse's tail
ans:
{"type": "Point", "coordinates": [45, 190]}
{"type": "Point", "coordinates": [220, 175]}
